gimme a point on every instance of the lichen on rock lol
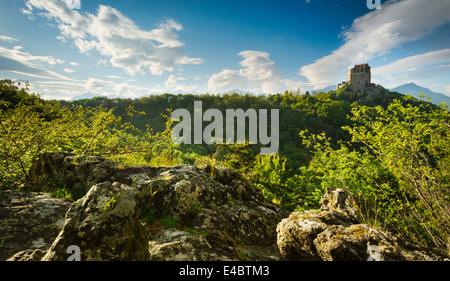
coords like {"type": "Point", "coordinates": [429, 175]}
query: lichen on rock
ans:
{"type": "Point", "coordinates": [29, 221]}
{"type": "Point", "coordinates": [335, 234]}
{"type": "Point", "coordinates": [155, 213]}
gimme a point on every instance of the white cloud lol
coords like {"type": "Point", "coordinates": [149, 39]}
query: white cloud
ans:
{"type": "Point", "coordinates": [113, 77]}
{"type": "Point", "coordinates": [25, 57]}
{"type": "Point", "coordinates": [18, 61]}
{"type": "Point", "coordinates": [418, 68]}
{"type": "Point", "coordinates": [73, 63]}
{"type": "Point", "coordinates": [171, 81]}
{"type": "Point", "coordinates": [226, 80]}
{"type": "Point", "coordinates": [68, 70]}
{"type": "Point", "coordinates": [28, 13]}
{"type": "Point", "coordinates": [8, 39]}
{"type": "Point", "coordinates": [27, 69]}
{"type": "Point", "coordinates": [172, 85]}
{"type": "Point", "coordinates": [412, 63]}
{"type": "Point", "coordinates": [170, 24]}
{"type": "Point", "coordinates": [118, 38]}
{"type": "Point", "coordinates": [132, 91]}
{"type": "Point", "coordinates": [73, 4]}
{"type": "Point", "coordinates": [258, 74]}
{"type": "Point", "coordinates": [376, 34]}
{"type": "Point", "coordinates": [257, 66]}
{"type": "Point", "coordinates": [68, 89]}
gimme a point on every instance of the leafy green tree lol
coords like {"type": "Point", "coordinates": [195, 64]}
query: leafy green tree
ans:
{"type": "Point", "coordinates": [412, 142]}
{"type": "Point", "coordinates": [270, 174]}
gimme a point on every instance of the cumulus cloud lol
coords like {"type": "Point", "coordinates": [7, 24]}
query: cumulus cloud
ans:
{"type": "Point", "coordinates": [226, 80]}
{"type": "Point", "coordinates": [376, 34]}
{"type": "Point", "coordinates": [118, 38]}
{"type": "Point", "coordinates": [258, 74]}
{"type": "Point", "coordinates": [172, 84]}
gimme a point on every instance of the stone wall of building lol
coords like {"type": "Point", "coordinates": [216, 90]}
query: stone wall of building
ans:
{"type": "Point", "coordinates": [359, 77]}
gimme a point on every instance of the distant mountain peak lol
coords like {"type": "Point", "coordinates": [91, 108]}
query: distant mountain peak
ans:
{"type": "Point", "coordinates": [415, 90]}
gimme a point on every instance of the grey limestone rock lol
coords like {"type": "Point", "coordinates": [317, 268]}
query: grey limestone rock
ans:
{"type": "Point", "coordinates": [29, 221]}
{"type": "Point", "coordinates": [335, 234]}
{"type": "Point", "coordinates": [153, 213]}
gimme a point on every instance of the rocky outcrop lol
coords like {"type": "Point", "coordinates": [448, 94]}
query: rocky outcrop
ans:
{"type": "Point", "coordinates": [180, 213]}
{"type": "Point", "coordinates": [154, 213]}
{"type": "Point", "coordinates": [105, 225]}
{"type": "Point", "coordinates": [29, 223]}
{"type": "Point", "coordinates": [334, 234]}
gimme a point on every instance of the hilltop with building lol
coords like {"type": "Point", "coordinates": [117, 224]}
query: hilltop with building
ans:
{"type": "Point", "coordinates": [359, 80]}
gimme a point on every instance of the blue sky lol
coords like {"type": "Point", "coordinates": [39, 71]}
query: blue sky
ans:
{"type": "Point", "coordinates": [133, 48]}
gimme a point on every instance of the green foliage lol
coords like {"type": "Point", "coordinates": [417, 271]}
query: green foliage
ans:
{"type": "Point", "coordinates": [30, 126]}
{"type": "Point", "coordinates": [195, 208]}
{"type": "Point", "coordinates": [236, 156]}
{"type": "Point", "coordinates": [168, 222]}
{"type": "Point", "coordinates": [148, 213]}
{"type": "Point", "coordinates": [25, 133]}
{"type": "Point", "coordinates": [400, 175]}
{"type": "Point", "coordinates": [412, 142]}
{"type": "Point", "coordinates": [270, 173]}
{"type": "Point", "coordinates": [62, 193]}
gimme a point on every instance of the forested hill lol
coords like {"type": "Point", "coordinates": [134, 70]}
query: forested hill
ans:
{"type": "Point", "coordinates": [318, 113]}
{"type": "Point", "coordinates": [321, 112]}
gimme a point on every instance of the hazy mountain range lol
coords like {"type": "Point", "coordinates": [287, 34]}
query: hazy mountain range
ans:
{"type": "Point", "coordinates": [415, 90]}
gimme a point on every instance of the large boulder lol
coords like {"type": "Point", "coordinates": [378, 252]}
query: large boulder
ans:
{"type": "Point", "coordinates": [155, 213]}
{"type": "Point", "coordinates": [105, 225]}
{"type": "Point", "coordinates": [335, 234]}
{"type": "Point", "coordinates": [52, 171]}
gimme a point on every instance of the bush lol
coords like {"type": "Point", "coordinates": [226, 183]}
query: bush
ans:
{"type": "Point", "coordinates": [401, 175]}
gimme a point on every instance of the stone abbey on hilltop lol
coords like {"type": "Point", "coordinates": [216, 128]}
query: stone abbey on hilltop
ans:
{"type": "Point", "coordinates": [358, 78]}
